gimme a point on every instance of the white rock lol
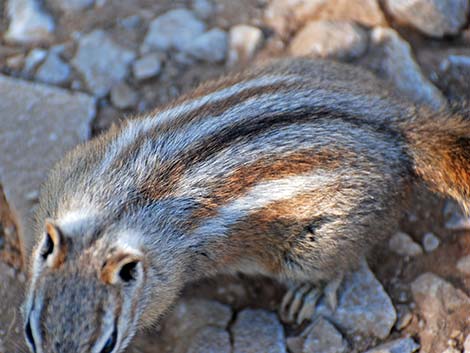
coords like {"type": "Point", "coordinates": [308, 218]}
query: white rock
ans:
{"type": "Point", "coordinates": [28, 22]}
{"type": "Point", "coordinates": [175, 29]}
{"type": "Point", "coordinates": [244, 40]}
{"type": "Point", "coordinates": [466, 345]}
{"type": "Point", "coordinates": [258, 331]}
{"type": "Point", "coordinates": [330, 39]}
{"type": "Point", "coordinates": [34, 58]}
{"type": "Point", "coordinates": [401, 345]}
{"type": "Point", "coordinates": [402, 244]}
{"type": "Point", "coordinates": [147, 66]}
{"type": "Point", "coordinates": [433, 17]}
{"type": "Point", "coordinates": [210, 46]}
{"type": "Point", "coordinates": [323, 337]}
{"type": "Point", "coordinates": [102, 62]}
{"type": "Point", "coordinates": [430, 242]}
{"type": "Point", "coordinates": [397, 65]}
{"type": "Point", "coordinates": [30, 114]}
{"type": "Point", "coordinates": [287, 16]}
{"type": "Point", "coordinates": [53, 70]}
{"type": "Point", "coordinates": [463, 265]}
{"type": "Point", "coordinates": [122, 96]}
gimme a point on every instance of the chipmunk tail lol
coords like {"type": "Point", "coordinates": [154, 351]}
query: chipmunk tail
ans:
{"type": "Point", "coordinates": [439, 144]}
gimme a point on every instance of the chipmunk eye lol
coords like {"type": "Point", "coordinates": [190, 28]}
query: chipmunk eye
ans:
{"type": "Point", "coordinates": [110, 343]}
{"type": "Point", "coordinates": [29, 335]}
{"type": "Point", "coordinates": [48, 247]}
{"type": "Point", "coordinates": [127, 272]}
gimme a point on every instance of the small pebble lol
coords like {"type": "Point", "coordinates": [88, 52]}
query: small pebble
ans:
{"type": "Point", "coordinates": [147, 66]}
{"type": "Point", "coordinates": [463, 265]}
{"type": "Point", "coordinates": [34, 58]}
{"type": "Point", "coordinates": [402, 244]}
{"type": "Point", "coordinates": [15, 62]}
{"type": "Point", "coordinates": [430, 242]}
{"type": "Point", "coordinates": [122, 96]}
{"type": "Point", "coordinates": [244, 41]}
{"type": "Point", "coordinates": [53, 70]}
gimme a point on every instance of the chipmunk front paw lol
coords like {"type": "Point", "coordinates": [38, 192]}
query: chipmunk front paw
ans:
{"type": "Point", "coordinates": [300, 300]}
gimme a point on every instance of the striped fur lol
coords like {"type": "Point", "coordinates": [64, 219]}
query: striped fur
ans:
{"type": "Point", "coordinates": [293, 169]}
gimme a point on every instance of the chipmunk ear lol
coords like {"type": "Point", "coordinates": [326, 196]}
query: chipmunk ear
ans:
{"type": "Point", "coordinates": [53, 250]}
{"type": "Point", "coordinates": [122, 267]}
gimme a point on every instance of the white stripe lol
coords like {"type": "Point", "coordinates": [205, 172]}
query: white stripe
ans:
{"type": "Point", "coordinates": [135, 128]}
{"type": "Point", "coordinates": [261, 196]}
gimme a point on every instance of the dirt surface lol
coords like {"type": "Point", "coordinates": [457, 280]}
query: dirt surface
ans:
{"type": "Point", "coordinates": [395, 272]}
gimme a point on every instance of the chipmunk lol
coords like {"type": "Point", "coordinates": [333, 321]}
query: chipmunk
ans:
{"type": "Point", "coordinates": [292, 169]}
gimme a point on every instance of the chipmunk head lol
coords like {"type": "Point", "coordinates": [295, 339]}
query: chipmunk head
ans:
{"type": "Point", "coordinates": [85, 296]}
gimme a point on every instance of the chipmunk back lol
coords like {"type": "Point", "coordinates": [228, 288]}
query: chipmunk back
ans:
{"type": "Point", "coordinates": [293, 170]}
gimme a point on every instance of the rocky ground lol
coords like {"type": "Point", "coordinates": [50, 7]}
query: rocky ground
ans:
{"type": "Point", "coordinates": [70, 68]}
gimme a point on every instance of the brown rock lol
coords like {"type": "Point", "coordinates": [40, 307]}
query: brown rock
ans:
{"type": "Point", "coordinates": [39, 123]}
{"type": "Point", "coordinates": [444, 309]}
{"type": "Point", "coordinates": [435, 18]}
{"type": "Point", "coordinates": [287, 16]}
{"type": "Point", "coordinates": [330, 39]}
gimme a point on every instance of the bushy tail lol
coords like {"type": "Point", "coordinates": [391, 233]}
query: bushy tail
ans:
{"type": "Point", "coordinates": [440, 148]}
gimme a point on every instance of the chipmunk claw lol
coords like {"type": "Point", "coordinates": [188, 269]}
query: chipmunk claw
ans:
{"type": "Point", "coordinates": [300, 301]}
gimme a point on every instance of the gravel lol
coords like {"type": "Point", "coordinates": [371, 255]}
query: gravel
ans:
{"type": "Point", "coordinates": [29, 24]}
{"type": "Point", "coordinates": [101, 62]}
{"type": "Point", "coordinates": [33, 59]}
{"type": "Point", "coordinates": [257, 331]}
{"type": "Point", "coordinates": [330, 39]}
{"type": "Point", "coordinates": [443, 309]}
{"type": "Point", "coordinates": [435, 18]}
{"type": "Point", "coordinates": [176, 29]}
{"type": "Point", "coordinates": [71, 6]}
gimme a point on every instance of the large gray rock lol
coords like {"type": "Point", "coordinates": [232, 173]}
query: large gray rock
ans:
{"type": "Point", "coordinates": [176, 29]}
{"type": "Point", "coordinates": [39, 124]}
{"type": "Point", "coordinates": [394, 62]}
{"type": "Point", "coordinates": [443, 308]}
{"type": "Point", "coordinates": [29, 24]}
{"type": "Point", "coordinates": [101, 61]}
{"type": "Point", "coordinates": [401, 345]}
{"type": "Point", "coordinates": [210, 46]}
{"type": "Point", "coordinates": [433, 17]}
{"type": "Point", "coordinates": [363, 305]}
{"type": "Point", "coordinates": [257, 331]}
{"type": "Point", "coordinates": [323, 337]}
{"type": "Point", "coordinates": [53, 70]}
{"type": "Point", "coordinates": [210, 340]}
{"type": "Point", "coordinates": [330, 39]}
